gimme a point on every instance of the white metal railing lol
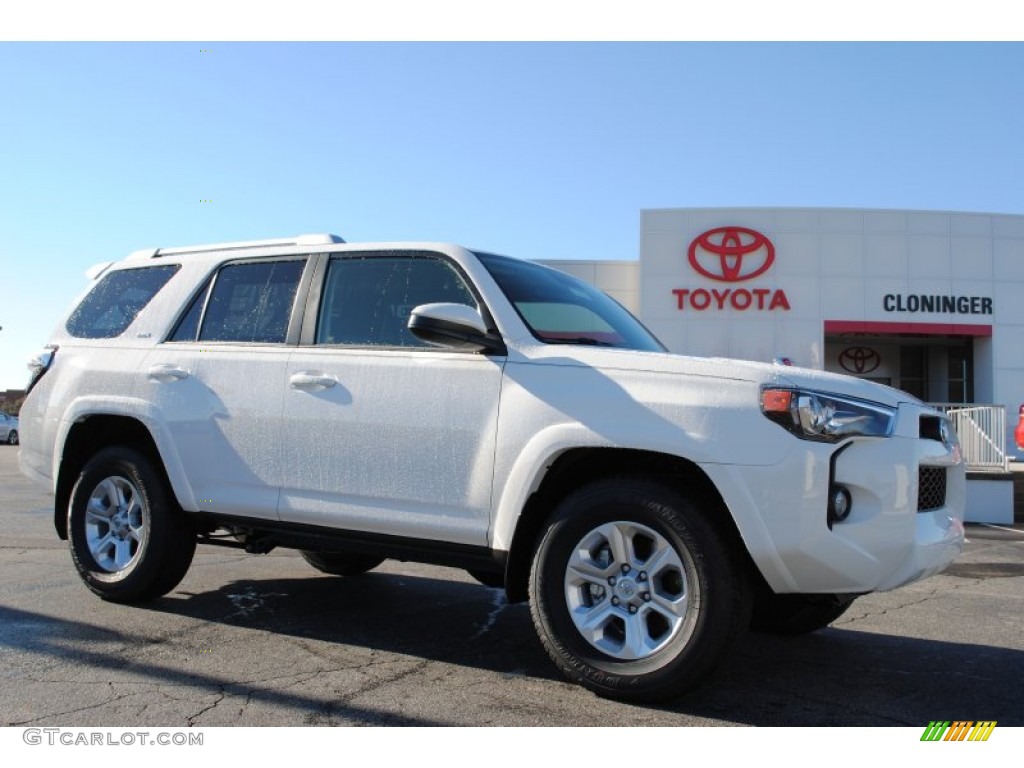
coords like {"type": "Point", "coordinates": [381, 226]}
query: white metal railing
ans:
{"type": "Point", "coordinates": [982, 433]}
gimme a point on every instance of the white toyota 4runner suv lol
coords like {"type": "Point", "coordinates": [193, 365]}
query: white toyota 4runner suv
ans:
{"type": "Point", "coordinates": [420, 401]}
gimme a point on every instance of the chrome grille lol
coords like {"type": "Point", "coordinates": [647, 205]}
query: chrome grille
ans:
{"type": "Point", "coordinates": [931, 488]}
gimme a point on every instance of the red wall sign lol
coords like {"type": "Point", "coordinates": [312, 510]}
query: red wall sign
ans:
{"type": "Point", "coordinates": [731, 255]}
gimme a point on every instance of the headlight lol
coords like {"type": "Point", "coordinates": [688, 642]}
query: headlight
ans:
{"type": "Point", "coordinates": [825, 417]}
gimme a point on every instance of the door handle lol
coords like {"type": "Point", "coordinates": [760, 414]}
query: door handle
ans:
{"type": "Point", "coordinates": [311, 381]}
{"type": "Point", "coordinates": [165, 373]}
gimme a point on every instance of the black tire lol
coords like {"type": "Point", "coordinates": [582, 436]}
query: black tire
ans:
{"type": "Point", "coordinates": [142, 549]}
{"type": "Point", "coordinates": [12, 437]}
{"type": "Point", "coordinates": [490, 579]}
{"type": "Point", "coordinates": [341, 563]}
{"type": "Point", "coordinates": [695, 560]}
{"type": "Point", "coordinates": [796, 614]}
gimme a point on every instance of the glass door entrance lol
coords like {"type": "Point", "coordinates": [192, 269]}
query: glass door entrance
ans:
{"type": "Point", "coordinates": [938, 369]}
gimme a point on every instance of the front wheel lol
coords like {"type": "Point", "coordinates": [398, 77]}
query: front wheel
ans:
{"type": "Point", "coordinates": [635, 592]}
{"type": "Point", "coordinates": [129, 540]}
{"type": "Point", "coordinates": [12, 437]}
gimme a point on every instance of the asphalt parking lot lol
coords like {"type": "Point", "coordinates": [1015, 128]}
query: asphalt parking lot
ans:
{"type": "Point", "coordinates": [266, 640]}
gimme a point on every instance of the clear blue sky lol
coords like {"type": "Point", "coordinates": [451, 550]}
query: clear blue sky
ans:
{"type": "Point", "coordinates": [536, 150]}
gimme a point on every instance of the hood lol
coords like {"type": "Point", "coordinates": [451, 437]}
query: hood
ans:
{"type": "Point", "coordinates": [840, 384]}
{"type": "Point", "coordinates": [607, 358]}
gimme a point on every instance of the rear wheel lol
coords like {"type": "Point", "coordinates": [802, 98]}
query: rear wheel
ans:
{"type": "Point", "coordinates": [129, 540]}
{"type": "Point", "coordinates": [635, 593]}
{"type": "Point", "coordinates": [12, 437]}
{"type": "Point", "coordinates": [796, 614]}
{"type": "Point", "coordinates": [341, 563]}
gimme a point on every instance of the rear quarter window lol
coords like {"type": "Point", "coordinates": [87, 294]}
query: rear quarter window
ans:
{"type": "Point", "coordinates": [116, 300]}
{"type": "Point", "coordinates": [251, 302]}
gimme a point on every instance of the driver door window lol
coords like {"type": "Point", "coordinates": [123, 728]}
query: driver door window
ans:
{"type": "Point", "coordinates": [368, 300]}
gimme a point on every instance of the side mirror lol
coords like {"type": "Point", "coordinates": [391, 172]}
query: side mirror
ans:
{"type": "Point", "coordinates": [451, 325]}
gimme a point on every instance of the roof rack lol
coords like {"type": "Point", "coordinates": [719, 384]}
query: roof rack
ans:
{"type": "Point", "coordinates": [154, 253]}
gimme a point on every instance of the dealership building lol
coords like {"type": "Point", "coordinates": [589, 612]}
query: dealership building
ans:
{"type": "Point", "coordinates": [929, 302]}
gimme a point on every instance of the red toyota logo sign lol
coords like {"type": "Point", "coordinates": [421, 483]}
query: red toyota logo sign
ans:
{"type": "Point", "coordinates": [731, 254]}
{"type": "Point", "coordinates": [859, 359]}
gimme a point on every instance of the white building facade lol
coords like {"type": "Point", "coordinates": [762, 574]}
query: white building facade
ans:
{"type": "Point", "coordinates": [929, 302]}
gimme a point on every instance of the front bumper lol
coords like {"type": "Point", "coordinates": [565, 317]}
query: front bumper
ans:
{"type": "Point", "coordinates": [782, 511]}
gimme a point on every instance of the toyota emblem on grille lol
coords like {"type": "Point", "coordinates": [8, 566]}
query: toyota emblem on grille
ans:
{"type": "Point", "coordinates": [859, 359]}
{"type": "Point", "coordinates": [731, 254]}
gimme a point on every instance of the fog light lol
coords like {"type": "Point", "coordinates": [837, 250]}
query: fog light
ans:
{"type": "Point", "coordinates": [839, 503]}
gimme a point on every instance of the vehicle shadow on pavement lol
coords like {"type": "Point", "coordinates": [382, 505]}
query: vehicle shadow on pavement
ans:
{"type": "Point", "coordinates": [842, 677]}
{"type": "Point", "coordinates": [99, 653]}
{"type": "Point", "coordinates": [836, 676]}
{"type": "Point", "coordinates": [455, 622]}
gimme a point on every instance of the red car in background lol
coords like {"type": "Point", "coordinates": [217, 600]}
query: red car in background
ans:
{"type": "Point", "coordinates": [1018, 433]}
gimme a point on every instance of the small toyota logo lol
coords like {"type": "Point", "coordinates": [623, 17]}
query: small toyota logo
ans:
{"type": "Point", "coordinates": [859, 359]}
{"type": "Point", "coordinates": [731, 254]}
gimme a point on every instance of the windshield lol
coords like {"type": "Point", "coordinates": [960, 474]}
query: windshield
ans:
{"type": "Point", "coordinates": [561, 309]}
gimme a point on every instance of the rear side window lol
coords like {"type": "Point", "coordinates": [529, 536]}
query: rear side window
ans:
{"type": "Point", "coordinates": [251, 302]}
{"type": "Point", "coordinates": [116, 300]}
